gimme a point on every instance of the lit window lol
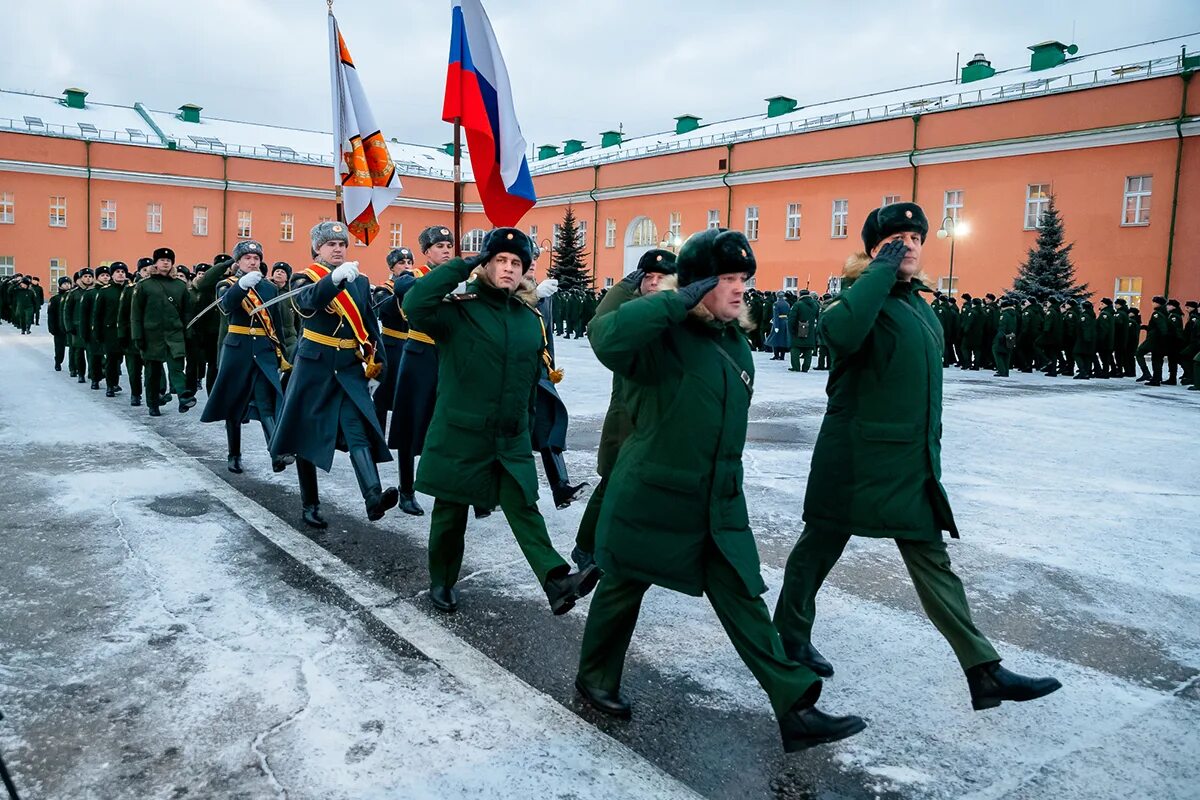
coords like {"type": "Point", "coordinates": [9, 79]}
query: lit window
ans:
{"type": "Point", "coordinates": [1037, 200]}
{"type": "Point", "coordinates": [108, 215]}
{"type": "Point", "coordinates": [841, 213]}
{"type": "Point", "coordinates": [890, 199]}
{"type": "Point", "coordinates": [245, 225]}
{"type": "Point", "coordinates": [752, 223]}
{"type": "Point", "coordinates": [793, 221]}
{"type": "Point", "coordinates": [610, 232]}
{"type": "Point", "coordinates": [714, 218]}
{"type": "Point", "coordinates": [58, 211]}
{"type": "Point", "coordinates": [947, 287]}
{"type": "Point", "coordinates": [645, 234]}
{"type": "Point", "coordinates": [154, 218]}
{"type": "Point", "coordinates": [287, 227]}
{"type": "Point", "coordinates": [7, 266]}
{"type": "Point", "coordinates": [199, 220]}
{"type": "Point", "coordinates": [8, 208]}
{"type": "Point", "coordinates": [952, 204]}
{"type": "Point", "coordinates": [58, 269]}
{"type": "Point", "coordinates": [1130, 289]}
{"type": "Point", "coordinates": [473, 241]}
{"type": "Point", "coordinates": [1137, 200]}
{"type": "Point", "coordinates": [397, 234]}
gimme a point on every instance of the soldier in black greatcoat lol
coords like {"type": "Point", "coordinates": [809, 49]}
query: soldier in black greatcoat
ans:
{"type": "Point", "coordinates": [394, 328]}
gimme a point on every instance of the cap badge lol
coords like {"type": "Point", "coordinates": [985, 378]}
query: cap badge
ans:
{"type": "Point", "coordinates": [337, 228]}
{"type": "Point", "coordinates": [908, 214]}
{"type": "Point", "coordinates": [510, 236]}
{"type": "Point", "coordinates": [658, 258]}
{"type": "Point", "coordinates": [743, 252]}
{"type": "Point", "coordinates": [445, 232]}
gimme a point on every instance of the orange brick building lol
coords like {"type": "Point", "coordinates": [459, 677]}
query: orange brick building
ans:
{"type": "Point", "coordinates": [1112, 135]}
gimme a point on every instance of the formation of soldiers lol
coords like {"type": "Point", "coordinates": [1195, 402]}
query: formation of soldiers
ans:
{"type": "Point", "coordinates": [21, 299]}
{"type": "Point", "coordinates": [573, 310]}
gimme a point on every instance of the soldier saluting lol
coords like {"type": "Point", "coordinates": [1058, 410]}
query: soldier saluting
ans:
{"type": "Point", "coordinates": [328, 402]}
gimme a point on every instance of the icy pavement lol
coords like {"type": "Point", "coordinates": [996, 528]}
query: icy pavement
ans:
{"type": "Point", "coordinates": [156, 634]}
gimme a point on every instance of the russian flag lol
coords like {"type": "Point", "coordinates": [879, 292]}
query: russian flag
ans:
{"type": "Point", "coordinates": [479, 95]}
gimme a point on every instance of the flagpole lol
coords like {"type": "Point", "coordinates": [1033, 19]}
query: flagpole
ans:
{"type": "Point", "coordinates": [339, 211]}
{"type": "Point", "coordinates": [458, 186]}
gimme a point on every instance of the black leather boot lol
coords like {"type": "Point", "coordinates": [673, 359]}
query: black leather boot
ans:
{"type": "Point", "coordinates": [565, 588]}
{"type": "Point", "coordinates": [444, 598]}
{"type": "Point", "coordinates": [233, 436]}
{"type": "Point", "coordinates": [611, 703]}
{"type": "Point", "coordinates": [95, 386]}
{"type": "Point", "coordinates": [377, 500]}
{"type": "Point", "coordinates": [278, 463]}
{"type": "Point", "coordinates": [154, 412]}
{"type": "Point", "coordinates": [306, 472]}
{"type": "Point", "coordinates": [810, 657]}
{"type": "Point", "coordinates": [109, 393]}
{"type": "Point", "coordinates": [135, 400]}
{"type": "Point", "coordinates": [556, 474]}
{"type": "Point", "coordinates": [186, 403]}
{"type": "Point", "coordinates": [408, 504]}
{"type": "Point", "coordinates": [991, 684]}
{"type": "Point", "coordinates": [805, 725]}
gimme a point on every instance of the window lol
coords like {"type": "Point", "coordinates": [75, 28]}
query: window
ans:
{"type": "Point", "coordinates": [554, 234]}
{"type": "Point", "coordinates": [279, 151]}
{"type": "Point", "coordinates": [752, 223]}
{"type": "Point", "coordinates": [7, 266]}
{"type": "Point", "coordinates": [793, 221]}
{"type": "Point", "coordinates": [533, 233]}
{"type": "Point", "coordinates": [208, 142]}
{"type": "Point", "coordinates": [946, 287]}
{"type": "Point", "coordinates": [108, 215]}
{"type": "Point", "coordinates": [890, 199]}
{"type": "Point", "coordinates": [287, 227]}
{"type": "Point", "coordinates": [397, 234]}
{"type": "Point", "coordinates": [324, 219]}
{"type": "Point", "coordinates": [58, 211]}
{"type": "Point", "coordinates": [58, 269]}
{"type": "Point", "coordinates": [8, 208]}
{"type": "Point", "coordinates": [791, 283]}
{"type": "Point", "coordinates": [952, 204]}
{"type": "Point", "coordinates": [136, 134]}
{"type": "Point", "coordinates": [675, 226]}
{"type": "Point", "coordinates": [610, 232]}
{"type": "Point", "coordinates": [834, 284]}
{"type": "Point", "coordinates": [473, 241]}
{"type": "Point", "coordinates": [841, 211]}
{"type": "Point", "coordinates": [154, 218]}
{"type": "Point", "coordinates": [581, 233]}
{"type": "Point", "coordinates": [645, 234]}
{"type": "Point", "coordinates": [199, 220]}
{"type": "Point", "coordinates": [714, 218]}
{"type": "Point", "coordinates": [1137, 200]}
{"type": "Point", "coordinates": [608, 282]}
{"type": "Point", "coordinates": [1130, 289]}
{"type": "Point", "coordinates": [245, 225]}
{"type": "Point", "coordinates": [1037, 198]}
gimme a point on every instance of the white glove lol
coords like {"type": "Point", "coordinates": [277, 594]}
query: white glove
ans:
{"type": "Point", "coordinates": [346, 272]}
{"type": "Point", "coordinates": [250, 280]}
{"type": "Point", "coordinates": [547, 288]}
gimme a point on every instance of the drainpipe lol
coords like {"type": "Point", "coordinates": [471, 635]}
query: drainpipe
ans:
{"type": "Point", "coordinates": [87, 154]}
{"type": "Point", "coordinates": [912, 153]}
{"type": "Point", "coordinates": [595, 218]}
{"type": "Point", "coordinates": [224, 203]}
{"type": "Point", "coordinates": [728, 188]}
{"type": "Point", "coordinates": [1187, 77]}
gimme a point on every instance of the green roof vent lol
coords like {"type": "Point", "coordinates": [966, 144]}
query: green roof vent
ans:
{"type": "Point", "coordinates": [1050, 54]}
{"type": "Point", "coordinates": [779, 105]}
{"type": "Point", "coordinates": [572, 146]}
{"type": "Point", "coordinates": [189, 112]}
{"type": "Point", "coordinates": [448, 148]}
{"type": "Point", "coordinates": [686, 124]}
{"type": "Point", "coordinates": [977, 69]}
{"type": "Point", "coordinates": [547, 151]}
{"type": "Point", "coordinates": [74, 97]}
{"type": "Point", "coordinates": [609, 138]}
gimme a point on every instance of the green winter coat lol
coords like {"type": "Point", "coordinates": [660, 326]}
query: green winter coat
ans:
{"type": "Point", "coordinates": [489, 359]}
{"type": "Point", "coordinates": [1006, 330]}
{"type": "Point", "coordinates": [618, 423]}
{"type": "Point", "coordinates": [104, 318]}
{"type": "Point", "coordinates": [158, 317]}
{"type": "Point", "coordinates": [877, 463]}
{"type": "Point", "coordinates": [71, 315]}
{"type": "Point", "coordinates": [805, 310]}
{"type": "Point", "coordinates": [677, 483]}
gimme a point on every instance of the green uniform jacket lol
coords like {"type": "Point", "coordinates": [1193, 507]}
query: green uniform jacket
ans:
{"type": "Point", "coordinates": [54, 323]}
{"type": "Point", "coordinates": [1158, 330]}
{"type": "Point", "coordinates": [105, 312]}
{"type": "Point", "coordinates": [877, 464]}
{"type": "Point", "coordinates": [1104, 330]}
{"type": "Point", "coordinates": [489, 358]}
{"type": "Point", "coordinates": [1175, 328]}
{"type": "Point", "coordinates": [1052, 329]}
{"type": "Point", "coordinates": [805, 309]}
{"type": "Point", "coordinates": [67, 316]}
{"type": "Point", "coordinates": [158, 317]}
{"type": "Point", "coordinates": [84, 314]}
{"type": "Point", "coordinates": [1085, 337]}
{"type": "Point", "coordinates": [23, 301]}
{"type": "Point", "coordinates": [1007, 327]}
{"type": "Point", "coordinates": [72, 314]}
{"type": "Point", "coordinates": [677, 483]}
{"type": "Point", "coordinates": [214, 324]}
{"type": "Point", "coordinates": [618, 423]}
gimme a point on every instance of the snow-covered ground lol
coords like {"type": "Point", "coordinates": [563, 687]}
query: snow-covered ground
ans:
{"type": "Point", "coordinates": [153, 635]}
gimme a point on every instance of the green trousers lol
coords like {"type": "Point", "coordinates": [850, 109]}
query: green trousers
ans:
{"type": "Point", "coordinates": [448, 527]}
{"type": "Point", "coordinates": [1003, 359]}
{"type": "Point", "coordinates": [585, 539]}
{"type": "Point", "coordinates": [157, 381]}
{"type": "Point", "coordinates": [614, 614]}
{"type": "Point", "coordinates": [801, 352]}
{"type": "Point", "coordinates": [939, 589]}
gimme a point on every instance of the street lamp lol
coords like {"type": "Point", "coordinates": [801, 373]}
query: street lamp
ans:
{"type": "Point", "coordinates": [952, 229]}
{"type": "Point", "coordinates": [672, 242]}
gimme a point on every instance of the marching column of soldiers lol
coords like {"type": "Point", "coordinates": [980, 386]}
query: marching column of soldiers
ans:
{"type": "Point", "coordinates": [459, 354]}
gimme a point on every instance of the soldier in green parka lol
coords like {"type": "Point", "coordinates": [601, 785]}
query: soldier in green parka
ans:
{"type": "Point", "coordinates": [133, 357]}
{"type": "Point", "coordinates": [1105, 363]}
{"type": "Point", "coordinates": [876, 467]}
{"type": "Point", "coordinates": [54, 322]}
{"type": "Point", "coordinates": [1174, 340]}
{"type": "Point", "coordinates": [86, 313]}
{"type": "Point", "coordinates": [1005, 341]}
{"type": "Point", "coordinates": [1158, 331]}
{"type": "Point", "coordinates": [1052, 334]}
{"type": "Point", "coordinates": [105, 314]}
{"type": "Point", "coordinates": [158, 318]}
{"type": "Point", "coordinates": [77, 355]}
{"type": "Point", "coordinates": [675, 515]}
{"type": "Point", "coordinates": [478, 450]}
{"type": "Point", "coordinates": [1191, 344]}
{"type": "Point", "coordinates": [23, 299]}
{"type": "Point", "coordinates": [1085, 341]}
{"type": "Point", "coordinates": [1122, 353]}
{"type": "Point", "coordinates": [802, 326]}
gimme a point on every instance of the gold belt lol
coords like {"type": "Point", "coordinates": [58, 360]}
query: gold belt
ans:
{"type": "Point", "coordinates": [392, 332]}
{"type": "Point", "coordinates": [330, 341]}
{"type": "Point", "coordinates": [247, 331]}
{"type": "Point", "coordinates": [417, 336]}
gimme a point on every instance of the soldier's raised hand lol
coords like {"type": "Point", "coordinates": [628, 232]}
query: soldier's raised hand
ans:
{"type": "Point", "coordinates": [346, 272]}
{"type": "Point", "coordinates": [547, 287]}
{"type": "Point", "coordinates": [693, 293]}
{"type": "Point", "coordinates": [250, 280]}
{"type": "Point", "coordinates": [892, 253]}
{"type": "Point", "coordinates": [633, 281]}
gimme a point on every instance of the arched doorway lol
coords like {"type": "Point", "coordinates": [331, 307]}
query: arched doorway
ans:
{"type": "Point", "coordinates": [640, 236]}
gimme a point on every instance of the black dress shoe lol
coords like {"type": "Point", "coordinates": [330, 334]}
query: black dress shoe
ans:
{"type": "Point", "coordinates": [810, 657]}
{"type": "Point", "coordinates": [482, 513]}
{"type": "Point", "coordinates": [313, 519]}
{"type": "Point", "coordinates": [564, 590]}
{"type": "Point", "coordinates": [991, 684]}
{"type": "Point", "coordinates": [609, 703]}
{"type": "Point", "coordinates": [234, 464]}
{"type": "Point", "coordinates": [154, 412]}
{"type": "Point", "coordinates": [444, 598]}
{"type": "Point", "coordinates": [72, 373]}
{"type": "Point", "coordinates": [58, 367]}
{"type": "Point", "coordinates": [379, 503]}
{"type": "Point", "coordinates": [81, 379]}
{"type": "Point", "coordinates": [805, 727]}
{"type": "Point", "coordinates": [117, 389]}
{"type": "Point", "coordinates": [95, 386]}
{"type": "Point", "coordinates": [566, 494]}
{"type": "Point", "coordinates": [136, 400]}
{"type": "Point", "coordinates": [166, 398]}
{"type": "Point", "coordinates": [109, 393]}
{"type": "Point", "coordinates": [186, 403]}
{"type": "Point", "coordinates": [280, 463]}
{"type": "Point", "coordinates": [408, 504]}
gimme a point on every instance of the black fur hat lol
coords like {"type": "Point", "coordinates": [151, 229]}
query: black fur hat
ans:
{"type": "Point", "coordinates": [662, 261]}
{"type": "Point", "coordinates": [507, 240]}
{"type": "Point", "coordinates": [895, 218]}
{"type": "Point", "coordinates": [398, 254]}
{"type": "Point", "coordinates": [432, 235]}
{"type": "Point", "coordinates": [716, 251]}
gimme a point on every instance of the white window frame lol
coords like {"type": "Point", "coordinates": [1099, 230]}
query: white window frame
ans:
{"type": "Point", "coordinates": [1138, 189]}
{"type": "Point", "coordinates": [154, 217]}
{"type": "Point", "coordinates": [473, 240]}
{"type": "Point", "coordinates": [952, 204]}
{"type": "Point", "coordinates": [108, 215]}
{"type": "Point", "coordinates": [199, 220]}
{"type": "Point", "coordinates": [287, 227]}
{"type": "Point", "coordinates": [581, 231]}
{"type": "Point", "coordinates": [396, 234]}
{"type": "Point", "coordinates": [751, 229]}
{"type": "Point", "coordinates": [58, 269]}
{"type": "Point", "coordinates": [1035, 206]}
{"type": "Point", "coordinates": [1132, 297]}
{"type": "Point", "coordinates": [946, 288]}
{"type": "Point", "coordinates": [8, 266]}
{"type": "Point", "coordinates": [610, 232]}
{"type": "Point", "coordinates": [792, 226]}
{"type": "Point", "coordinates": [890, 200]}
{"type": "Point", "coordinates": [324, 219]}
{"type": "Point", "coordinates": [245, 224]}
{"type": "Point", "coordinates": [608, 282]}
{"type": "Point", "coordinates": [714, 218]}
{"type": "Point", "coordinates": [791, 283]}
{"type": "Point", "coordinates": [554, 232]}
{"type": "Point", "coordinates": [645, 233]}
{"type": "Point", "coordinates": [533, 233]}
{"type": "Point", "coordinates": [838, 223]}
{"type": "Point", "coordinates": [58, 211]}
{"type": "Point", "coordinates": [8, 208]}
{"type": "Point", "coordinates": [675, 226]}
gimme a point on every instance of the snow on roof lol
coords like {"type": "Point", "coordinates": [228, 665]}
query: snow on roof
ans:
{"type": "Point", "coordinates": [1152, 59]}
{"type": "Point", "coordinates": [35, 113]}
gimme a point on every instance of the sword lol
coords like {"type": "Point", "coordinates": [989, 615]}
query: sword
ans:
{"type": "Point", "coordinates": [203, 311]}
{"type": "Point", "coordinates": [280, 298]}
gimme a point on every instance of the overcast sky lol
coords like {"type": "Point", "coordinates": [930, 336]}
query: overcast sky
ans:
{"type": "Point", "coordinates": [578, 67]}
